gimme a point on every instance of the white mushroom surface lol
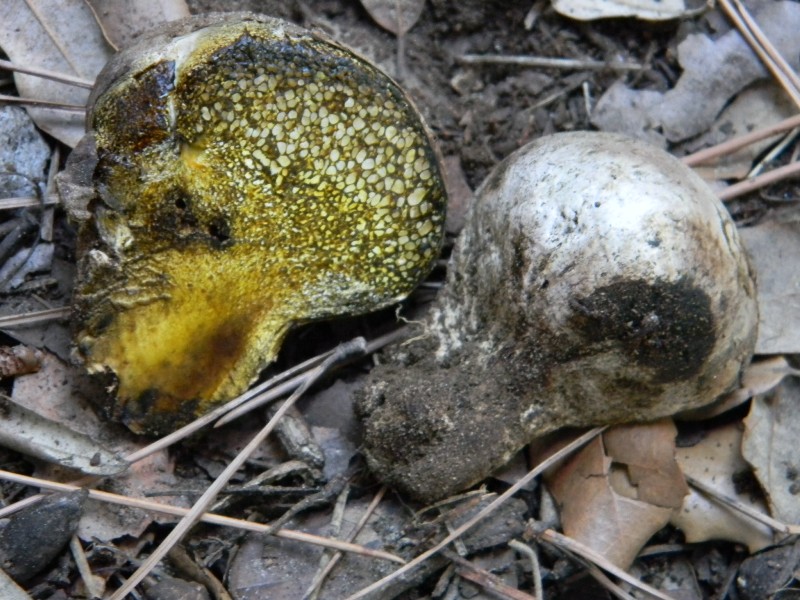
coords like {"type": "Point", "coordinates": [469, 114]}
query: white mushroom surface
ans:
{"type": "Point", "coordinates": [597, 280]}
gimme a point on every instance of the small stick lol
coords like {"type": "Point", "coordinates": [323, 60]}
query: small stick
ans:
{"type": "Point", "coordinates": [215, 519]}
{"type": "Point", "coordinates": [14, 203]}
{"type": "Point", "coordinates": [546, 63]}
{"type": "Point", "coordinates": [751, 512]}
{"type": "Point", "coordinates": [584, 551]}
{"type": "Point", "coordinates": [42, 103]}
{"type": "Point", "coordinates": [34, 318]}
{"type": "Point", "coordinates": [255, 398]}
{"type": "Point", "coordinates": [489, 508]}
{"type": "Point", "coordinates": [316, 584]}
{"type": "Point", "coordinates": [732, 145]}
{"type": "Point", "coordinates": [95, 590]}
{"type": "Point", "coordinates": [536, 571]}
{"type": "Point", "coordinates": [46, 74]}
{"type": "Point", "coordinates": [766, 50]}
{"type": "Point", "coordinates": [488, 581]}
{"type": "Point", "coordinates": [765, 179]}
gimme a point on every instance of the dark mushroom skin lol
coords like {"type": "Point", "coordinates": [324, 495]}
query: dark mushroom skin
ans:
{"type": "Point", "coordinates": [597, 281]}
{"type": "Point", "coordinates": [239, 175]}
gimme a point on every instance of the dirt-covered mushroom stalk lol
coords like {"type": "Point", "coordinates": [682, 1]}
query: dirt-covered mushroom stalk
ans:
{"type": "Point", "coordinates": [598, 280]}
{"type": "Point", "coordinates": [239, 175]}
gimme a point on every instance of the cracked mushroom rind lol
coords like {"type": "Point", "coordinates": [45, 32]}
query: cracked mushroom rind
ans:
{"type": "Point", "coordinates": [597, 281]}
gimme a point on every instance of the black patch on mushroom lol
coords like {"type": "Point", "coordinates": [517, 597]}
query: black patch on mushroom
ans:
{"type": "Point", "coordinates": [666, 326]}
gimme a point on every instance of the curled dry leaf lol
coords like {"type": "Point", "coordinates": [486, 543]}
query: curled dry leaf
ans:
{"type": "Point", "coordinates": [614, 506]}
{"type": "Point", "coordinates": [41, 33]}
{"type": "Point", "coordinates": [717, 461]}
{"type": "Point", "coordinates": [397, 16]}
{"type": "Point", "coordinates": [770, 444]}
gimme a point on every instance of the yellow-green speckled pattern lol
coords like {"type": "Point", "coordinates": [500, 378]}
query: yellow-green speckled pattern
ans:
{"type": "Point", "coordinates": [253, 177]}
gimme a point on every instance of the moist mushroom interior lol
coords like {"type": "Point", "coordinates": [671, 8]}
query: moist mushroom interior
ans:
{"type": "Point", "coordinates": [247, 175]}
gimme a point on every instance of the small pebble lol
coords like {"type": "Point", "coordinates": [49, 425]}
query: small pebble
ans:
{"type": "Point", "coordinates": [33, 537]}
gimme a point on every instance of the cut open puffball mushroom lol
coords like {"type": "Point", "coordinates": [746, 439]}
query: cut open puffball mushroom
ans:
{"type": "Point", "coordinates": [239, 175]}
{"type": "Point", "coordinates": [597, 280]}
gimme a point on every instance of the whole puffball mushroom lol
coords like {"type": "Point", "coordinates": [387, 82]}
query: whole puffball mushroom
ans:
{"type": "Point", "coordinates": [239, 175]}
{"type": "Point", "coordinates": [597, 280]}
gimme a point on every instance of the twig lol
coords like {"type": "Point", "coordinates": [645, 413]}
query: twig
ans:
{"type": "Point", "coordinates": [754, 183]}
{"type": "Point", "coordinates": [260, 396]}
{"type": "Point", "coordinates": [46, 74]}
{"type": "Point", "coordinates": [762, 46]}
{"type": "Point", "coordinates": [85, 571]}
{"type": "Point", "coordinates": [42, 103]}
{"type": "Point", "coordinates": [335, 530]}
{"type": "Point", "coordinates": [319, 579]}
{"type": "Point", "coordinates": [536, 571]}
{"type": "Point", "coordinates": [221, 481]}
{"type": "Point", "coordinates": [488, 581]}
{"type": "Point", "coordinates": [751, 512]}
{"type": "Point", "coordinates": [546, 63]}
{"type": "Point", "coordinates": [576, 547]}
{"type": "Point", "coordinates": [34, 318]}
{"type": "Point", "coordinates": [212, 518]}
{"type": "Point", "coordinates": [14, 203]}
{"type": "Point", "coordinates": [187, 565]}
{"type": "Point", "coordinates": [732, 145]}
{"type": "Point", "coordinates": [606, 581]}
{"type": "Point", "coordinates": [545, 464]}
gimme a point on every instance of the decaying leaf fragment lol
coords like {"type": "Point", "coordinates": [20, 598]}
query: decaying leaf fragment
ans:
{"type": "Point", "coordinates": [717, 461]}
{"type": "Point", "coordinates": [41, 34]}
{"type": "Point", "coordinates": [240, 175]}
{"type": "Point", "coordinates": [620, 489]}
{"type": "Point", "coordinates": [770, 444]}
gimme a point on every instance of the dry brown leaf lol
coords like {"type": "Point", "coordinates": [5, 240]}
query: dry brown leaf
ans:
{"type": "Point", "coordinates": [60, 36]}
{"type": "Point", "coordinates": [647, 452]}
{"type": "Point", "coordinates": [595, 513]}
{"type": "Point", "coordinates": [770, 444]}
{"type": "Point", "coordinates": [397, 16]}
{"type": "Point", "coordinates": [717, 461]}
{"type": "Point", "coordinates": [774, 247]}
{"type": "Point", "coordinates": [122, 21]}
